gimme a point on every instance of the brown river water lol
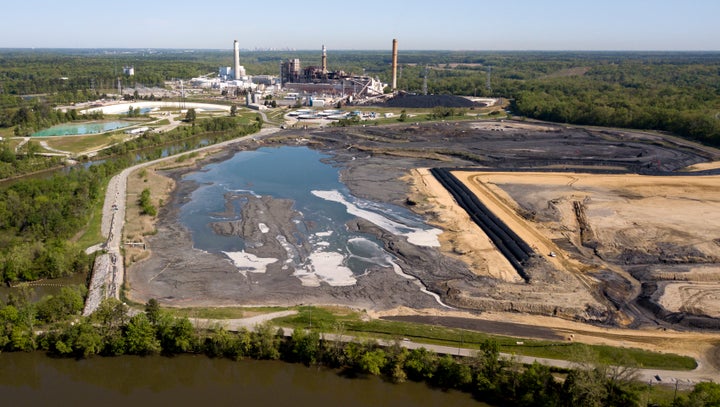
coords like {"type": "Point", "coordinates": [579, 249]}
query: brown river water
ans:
{"type": "Point", "coordinates": [34, 379]}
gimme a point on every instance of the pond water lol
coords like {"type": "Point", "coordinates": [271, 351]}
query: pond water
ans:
{"type": "Point", "coordinates": [42, 288]}
{"type": "Point", "coordinates": [303, 176]}
{"type": "Point", "coordinates": [70, 129]}
{"type": "Point", "coordinates": [33, 379]}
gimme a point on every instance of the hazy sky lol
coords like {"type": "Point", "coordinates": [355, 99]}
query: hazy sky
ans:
{"type": "Point", "coordinates": [369, 24]}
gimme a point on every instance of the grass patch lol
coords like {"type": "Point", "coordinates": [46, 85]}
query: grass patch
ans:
{"type": "Point", "coordinates": [7, 132]}
{"type": "Point", "coordinates": [325, 319]}
{"type": "Point", "coordinates": [79, 144]}
{"type": "Point", "coordinates": [92, 234]}
{"type": "Point", "coordinates": [222, 312]}
{"type": "Point", "coordinates": [12, 143]}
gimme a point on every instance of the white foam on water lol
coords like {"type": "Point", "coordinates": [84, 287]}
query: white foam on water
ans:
{"type": "Point", "coordinates": [324, 234]}
{"type": "Point", "coordinates": [416, 236]}
{"type": "Point", "coordinates": [327, 267]}
{"type": "Point", "coordinates": [247, 262]}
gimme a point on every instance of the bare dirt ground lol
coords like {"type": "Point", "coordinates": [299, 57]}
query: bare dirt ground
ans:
{"type": "Point", "coordinates": [628, 252]}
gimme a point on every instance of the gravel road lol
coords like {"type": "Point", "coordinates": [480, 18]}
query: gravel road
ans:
{"type": "Point", "coordinates": [109, 271]}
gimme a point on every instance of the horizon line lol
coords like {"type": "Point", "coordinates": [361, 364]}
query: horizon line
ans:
{"type": "Point", "coordinates": [358, 49]}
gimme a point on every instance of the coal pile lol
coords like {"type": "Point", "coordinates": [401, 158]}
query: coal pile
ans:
{"type": "Point", "coordinates": [429, 101]}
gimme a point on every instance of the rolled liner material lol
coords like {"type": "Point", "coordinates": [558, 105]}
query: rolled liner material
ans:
{"type": "Point", "coordinates": [512, 246]}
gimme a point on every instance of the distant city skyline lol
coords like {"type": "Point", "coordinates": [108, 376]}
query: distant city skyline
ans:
{"type": "Point", "coordinates": [610, 25]}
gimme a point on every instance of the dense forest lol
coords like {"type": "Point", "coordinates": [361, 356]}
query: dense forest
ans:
{"type": "Point", "coordinates": [113, 331]}
{"type": "Point", "coordinates": [38, 218]}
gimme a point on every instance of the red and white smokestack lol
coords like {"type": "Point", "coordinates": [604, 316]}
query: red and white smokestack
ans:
{"type": "Point", "coordinates": [236, 52]}
{"type": "Point", "coordinates": [394, 64]}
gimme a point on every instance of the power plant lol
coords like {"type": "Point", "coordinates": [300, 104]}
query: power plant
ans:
{"type": "Point", "coordinates": [317, 82]}
{"type": "Point", "coordinates": [318, 79]}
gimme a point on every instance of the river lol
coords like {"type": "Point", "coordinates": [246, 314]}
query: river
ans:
{"type": "Point", "coordinates": [31, 379]}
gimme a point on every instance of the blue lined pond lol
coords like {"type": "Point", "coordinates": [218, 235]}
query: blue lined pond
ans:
{"type": "Point", "coordinates": [70, 129]}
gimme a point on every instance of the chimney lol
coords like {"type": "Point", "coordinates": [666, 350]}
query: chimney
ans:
{"type": "Point", "coordinates": [324, 59]}
{"type": "Point", "coordinates": [236, 50]}
{"type": "Point", "coordinates": [394, 65]}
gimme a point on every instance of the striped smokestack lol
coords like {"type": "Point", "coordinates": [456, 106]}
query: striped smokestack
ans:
{"type": "Point", "coordinates": [394, 65]}
{"type": "Point", "coordinates": [236, 51]}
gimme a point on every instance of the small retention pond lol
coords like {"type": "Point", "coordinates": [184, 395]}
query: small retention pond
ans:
{"type": "Point", "coordinates": [76, 129]}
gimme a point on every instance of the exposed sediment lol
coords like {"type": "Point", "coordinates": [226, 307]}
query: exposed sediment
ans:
{"type": "Point", "coordinates": [611, 279]}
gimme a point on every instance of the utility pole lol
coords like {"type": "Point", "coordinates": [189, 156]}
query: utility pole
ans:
{"type": "Point", "coordinates": [425, 75]}
{"type": "Point", "coordinates": [487, 84]}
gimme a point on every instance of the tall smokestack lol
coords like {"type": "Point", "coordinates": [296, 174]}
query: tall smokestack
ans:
{"type": "Point", "coordinates": [324, 59]}
{"type": "Point", "coordinates": [236, 51]}
{"type": "Point", "coordinates": [394, 65]}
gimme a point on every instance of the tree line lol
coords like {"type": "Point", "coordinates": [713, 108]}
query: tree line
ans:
{"type": "Point", "coordinates": [53, 325]}
{"type": "Point", "coordinates": [676, 92]}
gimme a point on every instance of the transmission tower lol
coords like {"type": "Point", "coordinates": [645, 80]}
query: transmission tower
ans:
{"type": "Point", "coordinates": [489, 73]}
{"type": "Point", "coordinates": [425, 75]}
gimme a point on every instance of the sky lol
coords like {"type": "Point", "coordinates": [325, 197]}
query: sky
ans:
{"type": "Point", "coordinates": [625, 25]}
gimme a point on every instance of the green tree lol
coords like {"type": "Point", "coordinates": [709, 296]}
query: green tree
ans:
{"type": "Point", "coordinates": [373, 361]}
{"type": "Point", "coordinates": [152, 310]}
{"type": "Point", "coordinates": [221, 343]}
{"type": "Point", "coordinates": [451, 374]}
{"type": "Point", "coordinates": [67, 303]}
{"type": "Point", "coordinates": [146, 205]}
{"type": "Point", "coordinates": [705, 394]}
{"type": "Point", "coordinates": [140, 336]}
{"type": "Point", "coordinates": [190, 116]}
{"type": "Point", "coordinates": [110, 318]}
{"type": "Point", "coordinates": [585, 388]}
{"type": "Point", "coordinates": [305, 346]}
{"type": "Point", "coordinates": [176, 335]}
{"type": "Point", "coordinates": [537, 387]}
{"type": "Point", "coordinates": [420, 364]}
{"type": "Point", "coordinates": [265, 343]}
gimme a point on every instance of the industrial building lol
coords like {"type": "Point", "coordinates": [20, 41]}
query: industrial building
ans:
{"type": "Point", "coordinates": [318, 79]}
{"type": "Point", "coordinates": [315, 82]}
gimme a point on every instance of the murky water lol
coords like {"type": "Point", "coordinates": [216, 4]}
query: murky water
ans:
{"type": "Point", "coordinates": [325, 204]}
{"type": "Point", "coordinates": [33, 379]}
{"type": "Point", "coordinates": [45, 287]}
